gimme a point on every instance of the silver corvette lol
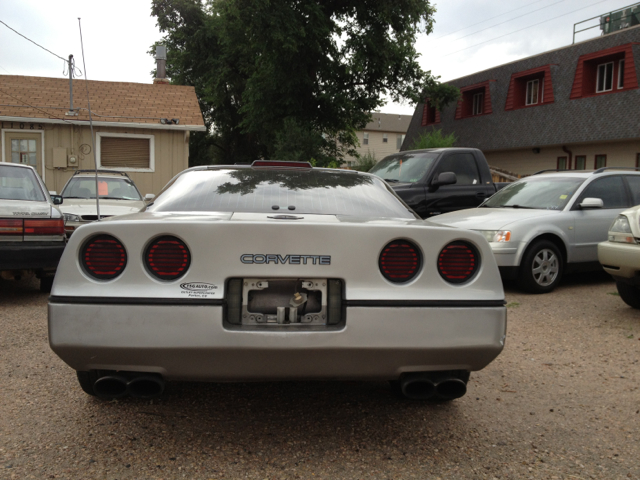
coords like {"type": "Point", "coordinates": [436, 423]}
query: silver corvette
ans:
{"type": "Point", "coordinates": [276, 271]}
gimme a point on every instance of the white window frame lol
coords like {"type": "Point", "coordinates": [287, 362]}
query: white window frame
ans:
{"type": "Point", "coordinates": [532, 85]}
{"type": "Point", "coordinates": [604, 83]}
{"type": "Point", "coordinates": [152, 152]}
{"type": "Point", "coordinates": [365, 138]}
{"type": "Point", "coordinates": [399, 141]}
{"type": "Point", "coordinates": [41, 132]}
{"type": "Point", "coordinates": [620, 77]}
{"type": "Point", "coordinates": [385, 138]}
{"type": "Point", "coordinates": [478, 103]}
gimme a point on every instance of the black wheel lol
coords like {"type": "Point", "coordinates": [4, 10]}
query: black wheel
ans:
{"type": "Point", "coordinates": [86, 381]}
{"type": "Point", "coordinates": [45, 284]}
{"type": "Point", "coordinates": [629, 293]}
{"type": "Point", "coordinates": [541, 268]}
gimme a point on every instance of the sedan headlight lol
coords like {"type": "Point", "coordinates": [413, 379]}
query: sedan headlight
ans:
{"type": "Point", "coordinates": [499, 236]}
{"type": "Point", "coordinates": [620, 231]}
{"type": "Point", "coordinates": [70, 217]}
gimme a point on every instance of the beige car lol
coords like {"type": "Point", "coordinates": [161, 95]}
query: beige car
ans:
{"type": "Point", "coordinates": [118, 196]}
{"type": "Point", "coordinates": [620, 255]}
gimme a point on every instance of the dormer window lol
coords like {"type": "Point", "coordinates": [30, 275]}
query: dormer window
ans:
{"type": "Point", "coordinates": [603, 72]}
{"type": "Point", "coordinates": [605, 77]}
{"type": "Point", "coordinates": [533, 92]}
{"type": "Point", "coordinates": [476, 100]}
{"type": "Point", "coordinates": [430, 114]}
{"type": "Point", "coordinates": [530, 88]}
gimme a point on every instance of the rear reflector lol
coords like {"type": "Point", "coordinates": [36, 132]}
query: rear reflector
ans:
{"type": "Point", "coordinates": [167, 258]}
{"type": "Point", "coordinates": [44, 227]}
{"type": "Point", "coordinates": [10, 227]}
{"type": "Point", "coordinates": [280, 163]}
{"type": "Point", "coordinates": [400, 261]}
{"type": "Point", "coordinates": [458, 262]}
{"type": "Point", "coordinates": [103, 257]}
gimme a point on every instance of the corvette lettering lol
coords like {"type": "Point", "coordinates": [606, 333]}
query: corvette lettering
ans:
{"type": "Point", "coordinates": [290, 259]}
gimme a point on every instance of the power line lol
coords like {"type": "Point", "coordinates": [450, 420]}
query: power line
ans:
{"type": "Point", "coordinates": [519, 30]}
{"type": "Point", "coordinates": [509, 20]}
{"type": "Point", "coordinates": [55, 55]}
{"type": "Point", "coordinates": [485, 20]}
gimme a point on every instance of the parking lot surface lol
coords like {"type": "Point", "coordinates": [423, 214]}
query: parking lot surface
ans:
{"type": "Point", "coordinates": [561, 402]}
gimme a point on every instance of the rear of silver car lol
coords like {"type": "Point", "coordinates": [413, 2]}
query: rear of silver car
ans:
{"type": "Point", "coordinates": [255, 296]}
{"type": "Point", "coordinates": [31, 228]}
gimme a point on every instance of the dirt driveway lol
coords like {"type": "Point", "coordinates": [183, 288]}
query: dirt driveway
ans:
{"type": "Point", "coordinates": [562, 401]}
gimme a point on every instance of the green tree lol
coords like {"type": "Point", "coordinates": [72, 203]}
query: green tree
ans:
{"type": "Point", "coordinates": [434, 139]}
{"type": "Point", "coordinates": [267, 72]}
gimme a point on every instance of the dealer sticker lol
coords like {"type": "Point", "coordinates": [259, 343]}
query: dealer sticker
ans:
{"type": "Point", "coordinates": [198, 289]}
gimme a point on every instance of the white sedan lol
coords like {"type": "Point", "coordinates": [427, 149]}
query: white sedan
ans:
{"type": "Point", "coordinates": [276, 271]}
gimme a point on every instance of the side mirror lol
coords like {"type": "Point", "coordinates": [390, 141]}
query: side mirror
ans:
{"type": "Point", "coordinates": [445, 178]}
{"type": "Point", "coordinates": [592, 203]}
{"type": "Point", "coordinates": [148, 197]}
{"type": "Point", "coordinates": [56, 199]}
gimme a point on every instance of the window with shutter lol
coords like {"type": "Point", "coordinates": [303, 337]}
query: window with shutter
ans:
{"type": "Point", "coordinates": [126, 152]}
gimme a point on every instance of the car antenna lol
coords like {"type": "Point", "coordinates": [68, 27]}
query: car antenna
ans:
{"type": "Point", "coordinates": [93, 141]}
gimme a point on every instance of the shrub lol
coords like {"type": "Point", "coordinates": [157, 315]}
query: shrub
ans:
{"type": "Point", "coordinates": [434, 139]}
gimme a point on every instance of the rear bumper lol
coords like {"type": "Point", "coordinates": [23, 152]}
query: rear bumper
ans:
{"type": "Point", "coordinates": [26, 256]}
{"type": "Point", "coordinates": [191, 342]}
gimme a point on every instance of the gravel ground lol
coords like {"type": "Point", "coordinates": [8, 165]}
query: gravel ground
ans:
{"type": "Point", "coordinates": [561, 402]}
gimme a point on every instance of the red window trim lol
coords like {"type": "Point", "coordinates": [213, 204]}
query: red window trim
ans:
{"type": "Point", "coordinates": [595, 160]}
{"type": "Point", "coordinates": [425, 114]}
{"type": "Point", "coordinates": [486, 108]}
{"type": "Point", "coordinates": [547, 85]}
{"type": "Point", "coordinates": [567, 162]}
{"type": "Point", "coordinates": [575, 161]}
{"type": "Point", "coordinates": [630, 78]}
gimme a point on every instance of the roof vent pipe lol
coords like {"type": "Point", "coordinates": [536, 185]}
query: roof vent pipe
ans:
{"type": "Point", "coordinates": [161, 62]}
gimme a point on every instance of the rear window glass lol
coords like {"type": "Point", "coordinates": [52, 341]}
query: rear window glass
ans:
{"type": "Point", "coordinates": [291, 191]}
{"type": "Point", "coordinates": [404, 167]}
{"type": "Point", "coordinates": [20, 184]}
{"type": "Point", "coordinates": [108, 188]}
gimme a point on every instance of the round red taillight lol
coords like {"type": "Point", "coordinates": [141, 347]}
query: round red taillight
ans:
{"type": "Point", "coordinates": [458, 262]}
{"type": "Point", "coordinates": [400, 261]}
{"type": "Point", "coordinates": [167, 258]}
{"type": "Point", "coordinates": [103, 257]}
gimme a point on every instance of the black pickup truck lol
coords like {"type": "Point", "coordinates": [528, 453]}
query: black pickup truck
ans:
{"type": "Point", "coordinates": [438, 180]}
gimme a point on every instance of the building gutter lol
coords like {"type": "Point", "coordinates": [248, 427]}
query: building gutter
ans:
{"type": "Point", "coordinates": [152, 126]}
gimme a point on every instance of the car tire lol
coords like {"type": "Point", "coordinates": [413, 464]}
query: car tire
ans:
{"type": "Point", "coordinates": [541, 267]}
{"type": "Point", "coordinates": [45, 284]}
{"type": "Point", "coordinates": [86, 381]}
{"type": "Point", "coordinates": [630, 294]}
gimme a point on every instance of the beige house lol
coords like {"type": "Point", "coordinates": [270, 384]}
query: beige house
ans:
{"type": "Point", "coordinates": [142, 129]}
{"type": "Point", "coordinates": [382, 136]}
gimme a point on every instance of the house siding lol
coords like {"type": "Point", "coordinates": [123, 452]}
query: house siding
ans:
{"type": "Point", "coordinates": [171, 155]}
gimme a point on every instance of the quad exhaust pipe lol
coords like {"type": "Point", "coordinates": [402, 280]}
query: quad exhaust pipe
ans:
{"type": "Point", "coordinates": [433, 385]}
{"type": "Point", "coordinates": [138, 385]}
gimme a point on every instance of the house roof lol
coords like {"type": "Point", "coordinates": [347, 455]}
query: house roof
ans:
{"type": "Point", "coordinates": [138, 105]}
{"type": "Point", "coordinates": [608, 117]}
{"type": "Point", "coordinates": [388, 122]}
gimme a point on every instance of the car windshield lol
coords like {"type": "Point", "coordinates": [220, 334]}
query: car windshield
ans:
{"type": "Point", "coordinates": [20, 184]}
{"type": "Point", "coordinates": [284, 191]}
{"type": "Point", "coordinates": [540, 192]}
{"type": "Point", "coordinates": [404, 167]}
{"type": "Point", "coordinates": [108, 188]}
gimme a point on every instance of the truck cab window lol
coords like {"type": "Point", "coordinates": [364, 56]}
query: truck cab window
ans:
{"type": "Point", "coordinates": [463, 165]}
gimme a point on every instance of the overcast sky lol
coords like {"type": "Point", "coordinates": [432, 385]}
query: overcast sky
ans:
{"type": "Point", "coordinates": [469, 36]}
